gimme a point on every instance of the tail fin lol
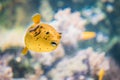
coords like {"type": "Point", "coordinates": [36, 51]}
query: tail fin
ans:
{"type": "Point", "coordinates": [24, 51]}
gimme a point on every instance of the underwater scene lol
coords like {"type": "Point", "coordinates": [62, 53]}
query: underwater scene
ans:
{"type": "Point", "coordinates": [59, 40]}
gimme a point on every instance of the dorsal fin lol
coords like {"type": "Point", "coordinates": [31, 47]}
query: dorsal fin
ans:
{"type": "Point", "coordinates": [36, 18]}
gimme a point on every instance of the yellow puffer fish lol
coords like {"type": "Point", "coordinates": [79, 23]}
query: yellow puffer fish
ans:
{"type": "Point", "coordinates": [41, 37]}
{"type": "Point", "coordinates": [101, 74]}
{"type": "Point", "coordinates": [88, 35]}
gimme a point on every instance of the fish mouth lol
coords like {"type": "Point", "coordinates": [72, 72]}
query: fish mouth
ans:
{"type": "Point", "coordinates": [53, 44]}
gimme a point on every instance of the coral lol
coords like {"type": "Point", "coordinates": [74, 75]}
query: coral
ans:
{"type": "Point", "coordinates": [94, 15]}
{"type": "Point", "coordinates": [56, 66]}
{"type": "Point", "coordinates": [5, 70]}
{"type": "Point", "coordinates": [42, 63]}
{"type": "Point", "coordinates": [69, 24]}
{"type": "Point", "coordinates": [113, 72]}
{"type": "Point", "coordinates": [97, 61]}
{"type": "Point", "coordinates": [80, 65]}
{"type": "Point", "coordinates": [68, 67]}
{"type": "Point", "coordinates": [38, 73]}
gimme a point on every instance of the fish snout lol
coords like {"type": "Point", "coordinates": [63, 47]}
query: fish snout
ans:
{"type": "Point", "coordinates": [59, 36]}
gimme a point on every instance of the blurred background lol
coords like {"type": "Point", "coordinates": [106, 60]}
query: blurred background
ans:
{"type": "Point", "coordinates": [78, 57]}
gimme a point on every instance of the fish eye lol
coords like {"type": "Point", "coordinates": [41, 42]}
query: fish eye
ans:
{"type": "Point", "coordinates": [53, 44]}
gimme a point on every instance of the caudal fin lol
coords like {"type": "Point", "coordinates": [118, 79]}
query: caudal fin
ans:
{"type": "Point", "coordinates": [24, 51]}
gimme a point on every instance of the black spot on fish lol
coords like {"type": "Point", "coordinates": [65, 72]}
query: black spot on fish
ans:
{"type": "Point", "coordinates": [41, 26]}
{"type": "Point", "coordinates": [45, 38]}
{"type": "Point", "coordinates": [47, 32]}
{"type": "Point", "coordinates": [37, 33]}
{"type": "Point", "coordinates": [37, 38]}
{"type": "Point", "coordinates": [34, 29]}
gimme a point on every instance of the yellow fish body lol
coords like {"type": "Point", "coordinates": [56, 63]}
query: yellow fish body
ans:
{"type": "Point", "coordinates": [41, 37]}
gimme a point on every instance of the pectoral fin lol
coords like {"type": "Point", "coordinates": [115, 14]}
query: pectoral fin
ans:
{"type": "Point", "coordinates": [24, 51]}
{"type": "Point", "coordinates": [36, 18]}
